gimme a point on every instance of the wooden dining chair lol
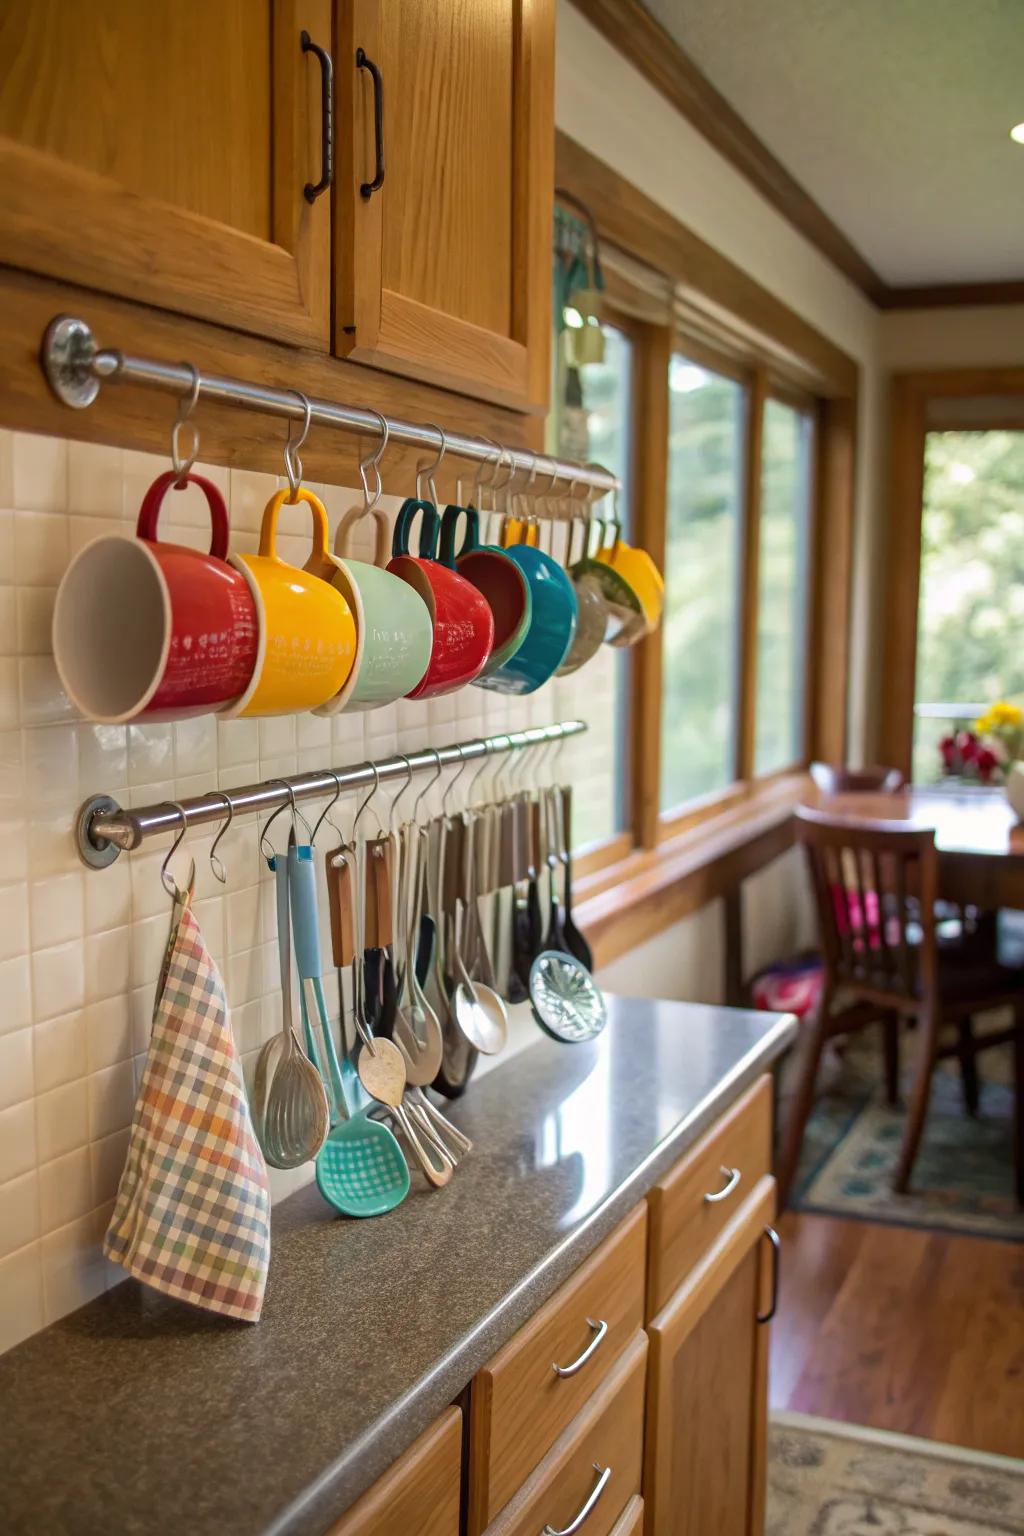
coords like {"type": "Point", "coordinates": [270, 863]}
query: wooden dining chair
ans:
{"type": "Point", "coordinates": [837, 779]}
{"type": "Point", "coordinates": [875, 886]}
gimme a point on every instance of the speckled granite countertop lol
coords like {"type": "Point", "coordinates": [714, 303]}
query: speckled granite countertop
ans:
{"type": "Point", "coordinates": [139, 1414]}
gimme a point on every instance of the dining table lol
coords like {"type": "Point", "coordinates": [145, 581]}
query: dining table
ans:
{"type": "Point", "coordinates": [979, 839]}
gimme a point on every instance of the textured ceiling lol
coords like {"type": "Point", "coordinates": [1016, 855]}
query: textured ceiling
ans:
{"type": "Point", "coordinates": [893, 114]}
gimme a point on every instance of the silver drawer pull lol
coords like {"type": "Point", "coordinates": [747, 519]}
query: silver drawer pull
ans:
{"type": "Point", "coordinates": [732, 1177]}
{"type": "Point", "coordinates": [600, 1329]}
{"type": "Point", "coordinates": [594, 1495]}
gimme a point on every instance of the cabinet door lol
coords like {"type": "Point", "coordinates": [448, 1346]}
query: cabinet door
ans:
{"type": "Point", "coordinates": [444, 273]}
{"type": "Point", "coordinates": [159, 151]}
{"type": "Point", "coordinates": [704, 1463]}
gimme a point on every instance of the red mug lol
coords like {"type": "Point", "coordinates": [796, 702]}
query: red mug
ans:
{"type": "Point", "coordinates": [144, 629]}
{"type": "Point", "coordinates": [461, 617]}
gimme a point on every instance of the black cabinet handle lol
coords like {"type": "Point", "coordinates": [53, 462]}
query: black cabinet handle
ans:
{"type": "Point", "coordinates": [773, 1306]}
{"type": "Point", "coordinates": [311, 191]}
{"type": "Point", "coordinates": [368, 188]}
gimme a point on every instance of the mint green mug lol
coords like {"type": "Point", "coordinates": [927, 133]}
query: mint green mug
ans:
{"type": "Point", "coordinates": [394, 635]}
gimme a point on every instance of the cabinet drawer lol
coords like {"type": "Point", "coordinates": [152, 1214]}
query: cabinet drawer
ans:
{"type": "Point", "coordinates": [631, 1521]}
{"type": "Point", "coordinates": [419, 1493]}
{"type": "Point", "coordinates": [690, 1207]}
{"type": "Point", "coordinates": [605, 1437]}
{"type": "Point", "coordinates": [520, 1402]}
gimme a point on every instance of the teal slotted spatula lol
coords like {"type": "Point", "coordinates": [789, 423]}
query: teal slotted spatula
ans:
{"type": "Point", "coordinates": [360, 1169]}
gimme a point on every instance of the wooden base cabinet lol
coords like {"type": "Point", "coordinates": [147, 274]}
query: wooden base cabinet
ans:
{"type": "Point", "coordinates": [704, 1467]}
{"type": "Point", "coordinates": [420, 1493]}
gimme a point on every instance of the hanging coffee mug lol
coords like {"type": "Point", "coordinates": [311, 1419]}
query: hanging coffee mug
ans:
{"type": "Point", "coordinates": [463, 626]}
{"type": "Point", "coordinates": [639, 571]}
{"type": "Point", "coordinates": [393, 630]}
{"type": "Point", "coordinates": [307, 632]}
{"type": "Point", "coordinates": [149, 630]}
{"type": "Point", "coordinates": [552, 618]}
{"type": "Point", "coordinates": [500, 581]}
{"type": "Point", "coordinates": [591, 613]}
{"type": "Point", "coordinates": [626, 621]}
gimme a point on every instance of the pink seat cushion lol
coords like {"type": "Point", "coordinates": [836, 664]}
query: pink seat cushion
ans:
{"type": "Point", "coordinates": [789, 987]}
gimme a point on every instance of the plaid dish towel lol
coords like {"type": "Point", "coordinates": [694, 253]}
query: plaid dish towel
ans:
{"type": "Point", "coordinates": [192, 1214]}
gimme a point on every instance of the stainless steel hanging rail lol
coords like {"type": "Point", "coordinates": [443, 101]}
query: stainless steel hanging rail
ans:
{"type": "Point", "coordinates": [76, 367]}
{"type": "Point", "coordinates": [104, 828]}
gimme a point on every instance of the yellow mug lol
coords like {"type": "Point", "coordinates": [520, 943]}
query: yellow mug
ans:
{"type": "Point", "coordinates": [637, 568]}
{"type": "Point", "coordinates": [307, 631]}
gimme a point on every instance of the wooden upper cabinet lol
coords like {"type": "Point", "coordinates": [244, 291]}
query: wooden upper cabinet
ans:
{"type": "Point", "coordinates": [159, 151]}
{"type": "Point", "coordinates": [444, 273]}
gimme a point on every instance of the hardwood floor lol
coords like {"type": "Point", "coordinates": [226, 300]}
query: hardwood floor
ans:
{"type": "Point", "coordinates": [901, 1329]}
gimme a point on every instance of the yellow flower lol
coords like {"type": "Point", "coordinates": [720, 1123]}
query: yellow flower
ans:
{"type": "Point", "coordinates": [1000, 716]}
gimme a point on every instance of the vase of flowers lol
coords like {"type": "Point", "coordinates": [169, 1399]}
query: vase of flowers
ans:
{"type": "Point", "coordinates": [991, 753]}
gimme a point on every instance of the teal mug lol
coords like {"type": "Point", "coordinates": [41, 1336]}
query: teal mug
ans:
{"type": "Point", "coordinates": [501, 582]}
{"type": "Point", "coordinates": [552, 619]}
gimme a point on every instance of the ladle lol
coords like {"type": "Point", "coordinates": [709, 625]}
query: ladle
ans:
{"type": "Point", "coordinates": [360, 1169]}
{"type": "Point", "coordinates": [479, 1011]}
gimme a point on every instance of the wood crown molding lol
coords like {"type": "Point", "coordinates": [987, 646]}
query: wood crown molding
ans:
{"type": "Point", "coordinates": [633, 31]}
{"type": "Point", "coordinates": [952, 295]}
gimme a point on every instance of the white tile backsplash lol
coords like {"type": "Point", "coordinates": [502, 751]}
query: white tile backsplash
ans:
{"type": "Point", "coordinates": [80, 950]}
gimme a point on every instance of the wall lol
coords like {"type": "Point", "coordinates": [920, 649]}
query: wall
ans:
{"type": "Point", "coordinates": [986, 336]}
{"type": "Point", "coordinates": [79, 950]}
{"type": "Point", "coordinates": [603, 102]}
{"type": "Point", "coordinates": [606, 104]}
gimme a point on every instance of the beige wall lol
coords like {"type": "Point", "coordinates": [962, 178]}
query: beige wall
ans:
{"type": "Point", "coordinates": [986, 336]}
{"type": "Point", "coordinates": [607, 105]}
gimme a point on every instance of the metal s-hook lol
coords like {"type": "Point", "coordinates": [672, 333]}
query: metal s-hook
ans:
{"type": "Point", "coordinates": [216, 862]}
{"type": "Point", "coordinates": [485, 763]}
{"type": "Point", "coordinates": [430, 470]}
{"type": "Point", "coordinates": [183, 466]}
{"type": "Point", "coordinates": [324, 816]}
{"type": "Point", "coordinates": [479, 483]}
{"type": "Point", "coordinates": [296, 813]}
{"type": "Point", "coordinates": [358, 816]}
{"type": "Point", "coordinates": [408, 780]}
{"type": "Point", "coordinates": [167, 880]}
{"type": "Point", "coordinates": [292, 462]}
{"type": "Point", "coordinates": [456, 776]}
{"type": "Point", "coordinates": [429, 785]}
{"type": "Point", "coordinates": [372, 461]}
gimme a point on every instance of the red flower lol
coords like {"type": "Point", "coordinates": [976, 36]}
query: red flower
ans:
{"type": "Point", "coordinates": [968, 746]}
{"type": "Point", "coordinates": [986, 763]}
{"type": "Point", "coordinates": [950, 757]}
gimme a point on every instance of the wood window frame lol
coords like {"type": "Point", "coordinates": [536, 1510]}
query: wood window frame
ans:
{"type": "Point", "coordinates": [703, 305]}
{"type": "Point", "coordinates": [910, 395]}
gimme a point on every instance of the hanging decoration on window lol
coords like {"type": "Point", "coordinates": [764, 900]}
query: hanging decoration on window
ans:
{"type": "Point", "coordinates": [579, 340]}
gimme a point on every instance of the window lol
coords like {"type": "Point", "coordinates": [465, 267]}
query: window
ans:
{"type": "Point", "coordinates": [593, 419]}
{"type": "Point", "coordinates": [599, 796]}
{"type": "Point", "coordinates": [970, 642]}
{"type": "Point", "coordinates": [782, 586]}
{"type": "Point", "coordinates": [707, 429]}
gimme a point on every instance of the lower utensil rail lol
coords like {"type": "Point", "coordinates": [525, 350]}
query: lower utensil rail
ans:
{"type": "Point", "coordinates": [104, 828]}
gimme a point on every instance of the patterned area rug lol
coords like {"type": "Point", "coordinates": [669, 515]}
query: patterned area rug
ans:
{"type": "Point", "coordinates": [963, 1176]}
{"type": "Point", "coordinates": [828, 1479]}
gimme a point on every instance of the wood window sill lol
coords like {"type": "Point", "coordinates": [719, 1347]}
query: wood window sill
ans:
{"type": "Point", "coordinates": [622, 905]}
